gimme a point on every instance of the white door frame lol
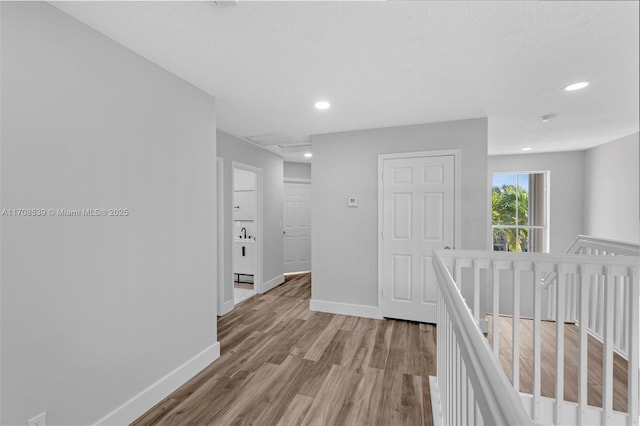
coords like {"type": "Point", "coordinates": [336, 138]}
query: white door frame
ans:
{"type": "Point", "coordinates": [257, 278]}
{"type": "Point", "coordinates": [456, 200]}
{"type": "Point", "coordinates": [224, 306]}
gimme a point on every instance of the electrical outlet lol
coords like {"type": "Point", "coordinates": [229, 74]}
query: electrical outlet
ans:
{"type": "Point", "coordinates": [39, 420]}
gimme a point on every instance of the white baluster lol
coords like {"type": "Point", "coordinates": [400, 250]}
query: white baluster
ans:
{"type": "Point", "coordinates": [551, 314]}
{"type": "Point", "coordinates": [457, 380]}
{"type": "Point", "coordinates": [568, 299]}
{"type": "Point", "coordinates": [496, 309]}
{"type": "Point", "coordinates": [515, 339]}
{"type": "Point", "coordinates": [633, 348]}
{"type": "Point", "coordinates": [450, 369]}
{"type": "Point", "coordinates": [560, 294]}
{"type": "Point", "coordinates": [607, 367]}
{"type": "Point", "coordinates": [593, 302]}
{"type": "Point", "coordinates": [470, 403]}
{"type": "Point", "coordinates": [476, 291]}
{"type": "Point", "coordinates": [440, 343]}
{"type": "Point", "coordinates": [583, 343]}
{"type": "Point", "coordinates": [618, 311]}
{"type": "Point", "coordinates": [537, 288]}
{"type": "Point", "coordinates": [627, 313]}
{"type": "Point", "coordinates": [447, 378]}
{"type": "Point", "coordinates": [601, 290]}
{"type": "Point", "coordinates": [442, 352]}
{"type": "Point", "coordinates": [463, 393]}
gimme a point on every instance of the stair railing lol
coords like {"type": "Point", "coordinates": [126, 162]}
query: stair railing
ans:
{"type": "Point", "coordinates": [593, 246]}
{"type": "Point", "coordinates": [471, 385]}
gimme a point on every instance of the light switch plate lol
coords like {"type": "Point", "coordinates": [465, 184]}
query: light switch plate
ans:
{"type": "Point", "coordinates": [352, 202]}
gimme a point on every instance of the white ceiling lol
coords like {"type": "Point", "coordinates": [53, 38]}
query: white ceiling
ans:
{"type": "Point", "coordinates": [395, 63]}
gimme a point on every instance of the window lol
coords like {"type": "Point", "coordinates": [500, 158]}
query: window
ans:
{"type": "Point", "coordinates": [519, 212]}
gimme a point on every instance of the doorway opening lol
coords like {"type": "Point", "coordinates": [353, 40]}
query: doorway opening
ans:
{"type": "Point", "coordinates": [246, 231]}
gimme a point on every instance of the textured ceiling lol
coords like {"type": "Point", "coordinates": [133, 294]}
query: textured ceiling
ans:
{"type": "Point", "coordinates": [396, 63]}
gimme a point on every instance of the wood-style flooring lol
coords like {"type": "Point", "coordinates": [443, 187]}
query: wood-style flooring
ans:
{"type": "Point", "coordinates": [548, 362]}
{"type": "Point", "coordinates": [245, 286]}
{"type": "Point", "coordinates": [282, 364]}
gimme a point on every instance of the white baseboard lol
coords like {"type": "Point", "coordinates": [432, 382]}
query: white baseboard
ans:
{"type": "Point", "coordinates": [141, 403]}
{"type": "Point", "coordinates": [227, 306]}
{"type": "Point", "coordinates": [436, 407]}
{"type": "Point", "coordinates": [365, 311]}
{"type": "Point", "coordinates": [272, 283]}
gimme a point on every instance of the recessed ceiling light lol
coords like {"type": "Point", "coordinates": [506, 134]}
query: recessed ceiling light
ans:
{"type": "Point", "coordinates": [308, 155]}
{"type": "Point", "coordinates": [548, 117]}
{"type": "Point", "coordinates": [322, 105]}
{"type": "Point", "coordinates": [576, 86]}
{"type": "Point", "coordinates": [526, 148]}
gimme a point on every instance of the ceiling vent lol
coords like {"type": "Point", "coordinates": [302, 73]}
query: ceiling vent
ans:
{"type": "Point", "coordinates": [273, 139]}
{"type": "Point", "coordinates": [225, 3]}
{"type": "Point", "coordinates": [289, 149]}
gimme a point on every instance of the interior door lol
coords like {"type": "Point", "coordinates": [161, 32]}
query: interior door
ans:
{"type": "Point", "coordinates": [418, 217]}
{"type": "Point", "coordinates": [297, 229]}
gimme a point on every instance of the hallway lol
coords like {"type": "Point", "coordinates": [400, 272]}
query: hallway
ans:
{"type": "Point", "coordinates": [283, 364]}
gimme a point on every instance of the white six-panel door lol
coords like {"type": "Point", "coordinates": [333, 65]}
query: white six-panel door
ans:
{"type": "Point", "coordinates": [418, 209]}
{"type": "Point", "coordinates": [297, 229]}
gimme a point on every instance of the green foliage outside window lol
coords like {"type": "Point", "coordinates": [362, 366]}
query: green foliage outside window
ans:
{"type": "Point", "coordinates": [510, 206]}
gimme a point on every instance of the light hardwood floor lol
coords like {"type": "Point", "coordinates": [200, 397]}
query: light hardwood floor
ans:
{"type": "Point", "coordinates": [548, 360]}
{"type": "Point", "coordinates": [282, 364]}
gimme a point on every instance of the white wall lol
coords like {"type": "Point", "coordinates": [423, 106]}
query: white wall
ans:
{"type": "Point", "coordinates": [345, 240]}
{"type": "Point", "coordinates": [96, 309]}
{"type": "Point", "coordinates": [297, 171]}
{"type": "Point", "coordinates": [233, 149]}
{"type": "Point", "coordinates": [613, 190]}
{"type": "Point", "coordinates": [566, 185]}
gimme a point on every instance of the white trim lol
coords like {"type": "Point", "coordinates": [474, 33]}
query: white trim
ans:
{"type": "Point", "coordinates": [547, 211]}
{"type": "Point", "coordinates": [223, 305]}
{"type": "Point", "coordinates": [457, 199]}
{"type": "Point", "coordinates": [339, 308]}
{"type": "Point", "coordinates": [142, 402]}
{"type": "Point", "coordinates": [259, 244]}
{"type": "Point", "coordinates": [297, 180]}
{"type": "Point", "coordinates": [436, 406]}
{"type": "Point", "coordinates": [286, 274]}
{"type": "Point", "coordinates": [272, 283]}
